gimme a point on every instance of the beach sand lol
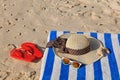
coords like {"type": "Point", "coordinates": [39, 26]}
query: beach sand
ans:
{"type": "Point", "coordinates": [31, 20]}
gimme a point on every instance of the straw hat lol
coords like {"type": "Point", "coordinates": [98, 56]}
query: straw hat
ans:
{"type": "Point", "coordinates": [82, 48]}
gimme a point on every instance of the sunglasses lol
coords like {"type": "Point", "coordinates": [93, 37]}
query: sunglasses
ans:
{"type": "Point", "coordinates": [67, 61]}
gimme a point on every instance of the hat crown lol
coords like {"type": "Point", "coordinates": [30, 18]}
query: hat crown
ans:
{"type": "Point", "coordinates": [77, 41]}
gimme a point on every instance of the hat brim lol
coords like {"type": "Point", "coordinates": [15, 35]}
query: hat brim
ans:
{"type": "Point", "coordinates": [88, 58]}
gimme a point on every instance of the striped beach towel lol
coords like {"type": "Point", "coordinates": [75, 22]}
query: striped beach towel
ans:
{"type": "Point", "coordinates": [107, 68]}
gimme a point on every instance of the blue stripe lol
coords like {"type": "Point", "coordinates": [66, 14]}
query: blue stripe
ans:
{"type": "Point", "coordinates": [50, 60]}
{"type": "Point", "coordinates": [64, 73]}
{"type": "Point", "coordinates": [81, 74]}
{"type": "Point", "coordinates": [65, 32]}
{"type": "Point", "coordinates": [111, 58]}
{"type": "Point", "coordinates": [119, 38]}
{"type": "Point", "coordinates": [79, 32]}
{"type": "Point", "coordinates": [97, 65]}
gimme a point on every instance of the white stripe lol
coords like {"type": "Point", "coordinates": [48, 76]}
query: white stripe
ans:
{"type": "Point", "coordinates": [89, 72]}
{"type": "Point", "coordinates": [59, 33]}
{"type": "Point", "coordinates": [89, 69]}
{"type": "Point", "coordinates": [57, 64]}
{"type": "Point", "coordinates": [48, 37]}
{"type": "Point", "coordinates": [104, 61]}
{"type": "Point", "coordinates": [116, 49]}
{"type": "Point", "coordinates": [72, 73]}
{"type": "Point", "coordinates": [44, 60]}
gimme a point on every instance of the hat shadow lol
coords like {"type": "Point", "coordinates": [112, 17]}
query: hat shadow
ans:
{"type": "Point", "coordinates": [94, 44]}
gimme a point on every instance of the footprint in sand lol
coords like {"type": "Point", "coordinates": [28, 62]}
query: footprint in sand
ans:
{"type": "Point", "coordinates": [4, 75]}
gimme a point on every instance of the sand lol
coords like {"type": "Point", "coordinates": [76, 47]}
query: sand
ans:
{"type": "Point", "coordinates": [31, 20]}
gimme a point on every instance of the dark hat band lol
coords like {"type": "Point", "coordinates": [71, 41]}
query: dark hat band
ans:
{"type": "Point", "coordinates": [79, 51]}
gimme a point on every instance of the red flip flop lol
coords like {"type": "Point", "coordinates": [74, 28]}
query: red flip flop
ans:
{"type": "Point", "coordinates": [37, 53]}
{"type": "Point", "coordinates": [28, 52]}
{"type": "Point", "coordinates": [21, 54]}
